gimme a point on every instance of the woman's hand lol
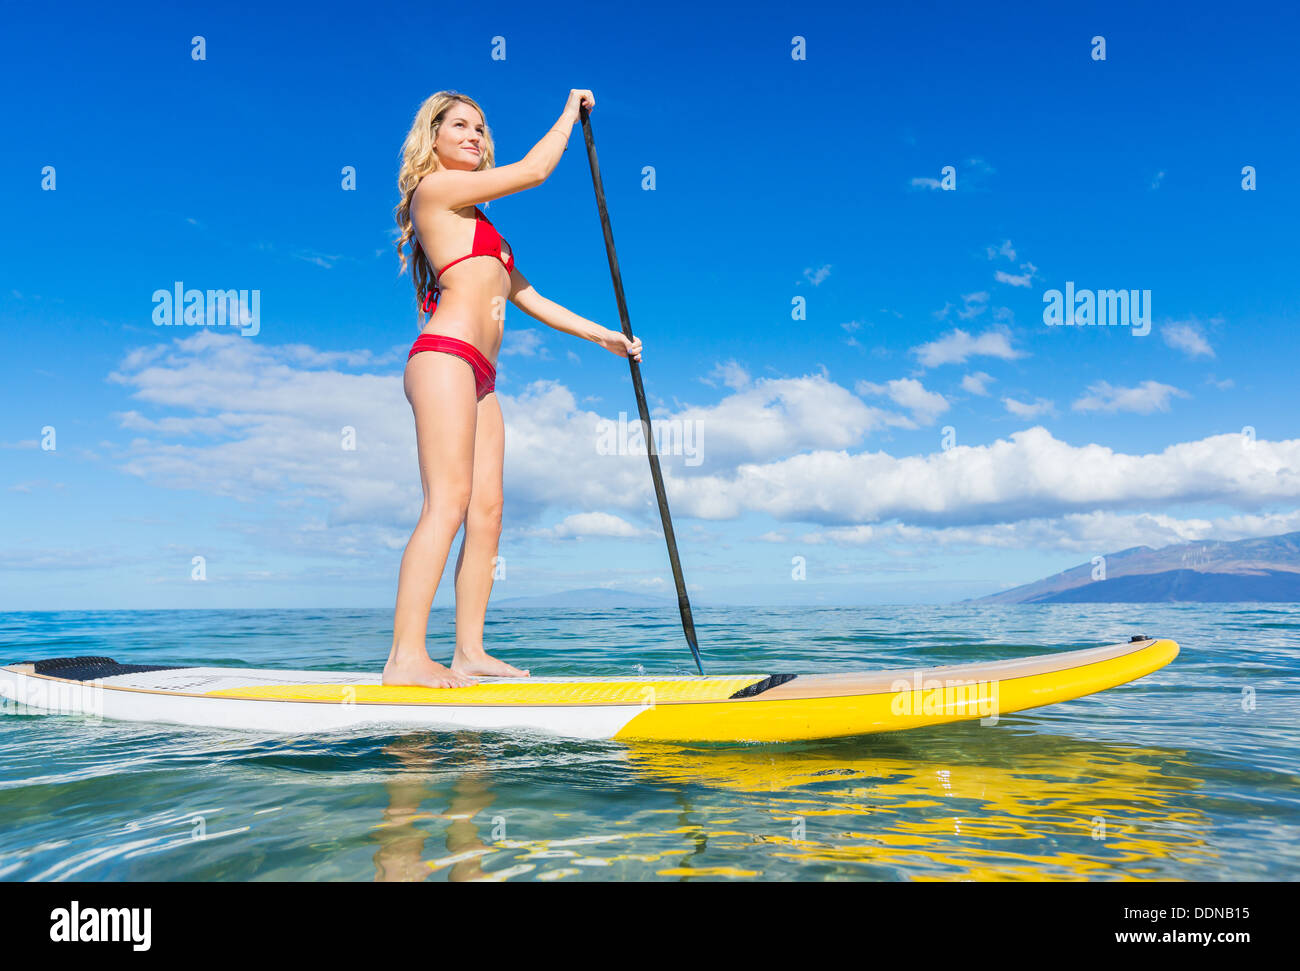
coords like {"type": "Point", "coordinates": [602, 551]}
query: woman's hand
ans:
{"type": "Point", "coordinates": [577, 98]}
{"type": "Point", "coordinates": [616, 342]}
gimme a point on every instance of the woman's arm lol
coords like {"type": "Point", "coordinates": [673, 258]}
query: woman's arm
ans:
{"type": "Point", "coordinates": [455, 189]}
{"type": "Point", "coordinates": [550, 313]}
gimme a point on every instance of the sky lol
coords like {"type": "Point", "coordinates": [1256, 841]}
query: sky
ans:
{"type": "Point", "coordinates": [839, 230]}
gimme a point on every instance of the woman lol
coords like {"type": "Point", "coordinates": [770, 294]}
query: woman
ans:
{"type": "Point", "coordinates": [462, 266]}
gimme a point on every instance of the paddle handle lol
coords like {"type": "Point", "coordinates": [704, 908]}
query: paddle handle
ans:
{"type": "Point", "coordinates": [683, 602]}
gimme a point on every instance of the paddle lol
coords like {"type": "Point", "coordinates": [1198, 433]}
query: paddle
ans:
{"type": "Point", "coordinates": [683, 603]}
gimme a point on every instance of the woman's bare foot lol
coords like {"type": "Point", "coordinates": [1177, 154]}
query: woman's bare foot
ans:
{"type": "Point", "coordinates": [424, 671]}
{"type": "Point", "coordinates": [482, 664]}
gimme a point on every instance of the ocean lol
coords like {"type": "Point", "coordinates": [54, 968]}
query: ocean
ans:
{"type": "Point", "coordinates": [1192, 773]}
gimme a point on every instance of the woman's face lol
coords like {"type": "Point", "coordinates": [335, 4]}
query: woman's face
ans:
{"type": "Point", "coordinates": [461, 138]}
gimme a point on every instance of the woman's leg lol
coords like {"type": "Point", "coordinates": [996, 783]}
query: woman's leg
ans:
{"type": "Point", "coordinates": [440, 388]}
{"type": "Point", "coordinates": [478, 549]}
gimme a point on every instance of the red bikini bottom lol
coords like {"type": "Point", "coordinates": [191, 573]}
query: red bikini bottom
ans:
{"type": "Point", "coordinates": [485, 375]}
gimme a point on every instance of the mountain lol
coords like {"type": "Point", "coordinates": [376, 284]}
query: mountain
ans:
{"type": "Point", "coordinates": [594, 597]}
{"type": "Point", "coordinates": [1265, 569]}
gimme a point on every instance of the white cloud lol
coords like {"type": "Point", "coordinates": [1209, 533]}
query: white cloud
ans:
{"type": "Point", "coordinates": [586, 525]}
{"type": "Point", "coordinates": [1088, 533]}
{"type": "Point", "coordinates": [1029, 409]}
{"type": "Point", "coordinates": [973, 304]}
{"type": "Point", "coordinates": [1187, 337]}
{"type": "Point", "coordinates": [977, 383]}
{"type": "Point", "coordinates": [523, 341]}
{"type": "Point", "coordinates": [910, 394]}
{"type": "Point", "coordinates": [729, 373]}
{"type": "Point", "coordinates": [326, 261]}
{"type": "Point", "coordinates": [844, 535]}
{"type": "Point", "coordinates": [925, 183]}
{"type": "Point", "coordinates": [1031, 475]}
{"type": "Point", "coordinates": [955, 347]}
{"type": "Point", "coordinates": [36, 485]}
{"type": "Point", "coordinates": [1018, 280]}
{"type": "Point", "coordinates": [311, 357]}
{"type": "Point", "coordinates": [778, 416]}
{"type": "Point", "coordinates": [82, 556]}
{"type": "Point", "coordinates": [228, 416]}
{"type": "Point", "coordinates": [818, 276]}
{"type": "Point", "coordinates": [1147, 397]}
{"type": "Point", "coordinates": [1006, 249]}
{"type": "Point", "coordinates": [259, 430]}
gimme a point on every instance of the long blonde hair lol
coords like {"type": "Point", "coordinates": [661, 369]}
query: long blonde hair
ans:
{"type": "Point", "coordinates": [418, 160]}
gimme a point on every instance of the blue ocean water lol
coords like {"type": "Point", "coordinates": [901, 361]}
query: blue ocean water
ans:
{"type": "Point", "coordinates": [1188, 774]}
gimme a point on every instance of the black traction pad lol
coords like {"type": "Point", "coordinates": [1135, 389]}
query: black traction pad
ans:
{"type": "Point", "coordinates": [758, 687]}
{"type": "Point", "coordinates": [91, 668]}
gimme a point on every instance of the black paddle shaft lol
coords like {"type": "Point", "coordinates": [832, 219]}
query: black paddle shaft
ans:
{"type": "Point", "coordinates": [683, 603]}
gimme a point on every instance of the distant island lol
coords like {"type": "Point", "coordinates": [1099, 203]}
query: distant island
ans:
{"type": "Point", "coordinates": [1265, 570]}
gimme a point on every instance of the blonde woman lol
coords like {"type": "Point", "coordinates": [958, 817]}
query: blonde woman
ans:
{"type": "Point", "coordinates": [465, 270]}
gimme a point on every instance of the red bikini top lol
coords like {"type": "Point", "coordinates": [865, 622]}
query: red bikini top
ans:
{"type": "Point", "coordinates": [487, 242]}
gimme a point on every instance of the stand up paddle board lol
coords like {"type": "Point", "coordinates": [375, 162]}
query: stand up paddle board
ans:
{"type": "Point", "coordinates": [720, 708]}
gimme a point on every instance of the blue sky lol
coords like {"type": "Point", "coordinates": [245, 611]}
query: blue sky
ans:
{"type": "Point", "coordinates": [820, 438]}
